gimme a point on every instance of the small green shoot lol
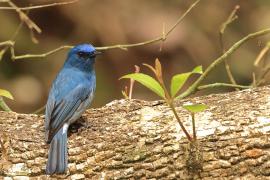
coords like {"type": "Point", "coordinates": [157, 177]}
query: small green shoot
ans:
{"type": "Point", "coordinates": [157, 86]}
{"type": "Point", "coordinates": [127, 93]}
{"type": "Point", "coordinates": [194, 108]}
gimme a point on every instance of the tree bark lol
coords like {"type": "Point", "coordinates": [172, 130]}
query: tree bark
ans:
{"type": "Point", "coordinates": [134, 139]}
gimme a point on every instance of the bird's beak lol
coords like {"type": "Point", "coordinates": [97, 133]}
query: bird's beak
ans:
{"type": "Point", "coordinates": [96, 53]}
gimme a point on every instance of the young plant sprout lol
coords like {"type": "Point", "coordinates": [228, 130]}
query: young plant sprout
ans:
{"type": "Point", "coordinates": [127, 93]}
{"type": "Point", "coordinates": [194, 108]}
{"type": "Point", "coordinates": [158, 87]}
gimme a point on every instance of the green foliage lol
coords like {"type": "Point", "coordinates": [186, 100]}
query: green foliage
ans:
{"type": "Point", "coordinates": [148, 82]}
{"type": "Point", "coordinates": [157, 86]}
{"type": "Point", "coordinates": [6, 94]}
{"type": "Point", "coordinates": [195, 108]}
{"type": "Point", "coordinates": [179, 80]}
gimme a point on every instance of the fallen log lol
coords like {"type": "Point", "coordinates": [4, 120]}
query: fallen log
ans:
{"type": "Point", "coordinates": [134, 139]}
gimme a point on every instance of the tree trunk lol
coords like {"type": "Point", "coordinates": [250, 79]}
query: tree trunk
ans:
{"type": "Point", "coordinates": [133, 139]}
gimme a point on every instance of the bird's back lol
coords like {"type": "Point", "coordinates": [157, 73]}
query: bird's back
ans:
{"type": "Point", "coordinates": [71, 93]}
{"type": "Point", "coordinates": [68, 79]}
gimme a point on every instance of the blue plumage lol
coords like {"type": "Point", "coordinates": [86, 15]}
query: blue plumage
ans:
{"type": "Point", "coordinates": [71, 93]}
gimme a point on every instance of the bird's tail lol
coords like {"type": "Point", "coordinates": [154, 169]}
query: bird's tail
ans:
{"type": "Point", "coordinates": [57, 160]}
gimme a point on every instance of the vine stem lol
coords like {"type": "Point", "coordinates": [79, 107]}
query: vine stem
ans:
{"type": "Point", "coordinates": [232, 17]}
{"type": "Point", "coordinates": [194, 87]}
{"type": "Point", "coordinates": [214, 85]}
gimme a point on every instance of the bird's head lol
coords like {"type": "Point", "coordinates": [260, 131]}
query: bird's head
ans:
{"type": "Point", "coordinates": [82, 57]}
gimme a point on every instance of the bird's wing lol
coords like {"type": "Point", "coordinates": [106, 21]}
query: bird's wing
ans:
{"type": "Point", "coordinates": [59, 112]}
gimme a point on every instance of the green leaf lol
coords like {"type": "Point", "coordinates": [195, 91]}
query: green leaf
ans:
{"type": "Point", "coordinates": [147, 81]}
{"type": "Point", "coordinates": [5, 93]}
{"type": "Point", "coordinates": [179, 80]}
{"type": "Point", "coordinates": [194, 108]}
{"type": "Point", "coordinates": [197, 70]}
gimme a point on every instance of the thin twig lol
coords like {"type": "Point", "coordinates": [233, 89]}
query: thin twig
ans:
{"type": "Point", "coordinates": [260, 60]}
{"type": "Point", "coordinates": [38, 6]}
{"type": "Point", "coordinates": [261, 79]}
{"type": "Point", "coordinates": [14, 57]}
{"type": "Point", "coordinates": [194, 87]}
{"type": "Point", "coordinates": [118, 46]}
{"type": "Point", "coordinates": [181, 18]}
{"type": "Point", "coordinates": [11, 41]}
{"type": "Point", "coordinates": [232, 17]}
{"type": "Point", "coordinates": [7, 43]}
{"type": "Point", "coordinates": [132, 81]}
{"type": "Point", "coordinates": [3, 104]}
{"type": "Point", "coordinates": [262, 54]}
{"type": "Point", "coordinates": [163, 37]}
{"type": "Point", "coordinates": [215, 85]}
{"type": "Point", "coordinates": [31, 24]}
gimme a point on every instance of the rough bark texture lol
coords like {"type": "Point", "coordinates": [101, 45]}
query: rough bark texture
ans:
{"type": "Point", "coordinates": [142, 140]}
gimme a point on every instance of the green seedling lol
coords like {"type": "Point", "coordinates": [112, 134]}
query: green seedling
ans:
{"type": "Point", "coordinates": [194, 108]}
{"type": "Point", "coordinates": [157, 86]}
{"type": "Point", "coordinates": [127, 93]}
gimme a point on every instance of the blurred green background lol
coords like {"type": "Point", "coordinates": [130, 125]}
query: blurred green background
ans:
{"type": "Point", "coordinates": [194, 42]}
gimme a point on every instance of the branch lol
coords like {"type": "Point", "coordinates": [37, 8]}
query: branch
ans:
{"type": "Point", "coordinates": [14, 57]}
{"type": "Point", "coordinates": [31, 24]}
{"type": "Point", "coordinates": [214, 85]}
{"type": "Point", "coordinates": [266, 67]}
{"type": "Point", "coordinates": [135, 139]}
{"type": "Point", "coordinates": [11, 42]}
{"type": "Point", "coordinates": [163, 37]}
{"type": "Point", "coordinates": [37, 6]}
{"type": "Point", "coordinates": [232, 17]}
{"type": "Point", "coordinates": [7, 43]}
{"type": "Point", "coordinates": [262, 54]}
{"type": "Point", "coordinates": [194, 86]}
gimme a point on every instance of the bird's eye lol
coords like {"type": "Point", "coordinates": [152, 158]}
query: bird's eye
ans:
{"type": "Point", "coordinates": [83, 55]}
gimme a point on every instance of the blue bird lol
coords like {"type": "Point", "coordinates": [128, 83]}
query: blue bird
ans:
{"type": "Point", "coordinates": [71, 93]}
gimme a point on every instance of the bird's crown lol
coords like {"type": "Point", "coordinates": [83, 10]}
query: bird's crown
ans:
{"type": "Point", "coordinates": [84, 50]}
{"type": "Point", "coordinates": [82, 57]}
